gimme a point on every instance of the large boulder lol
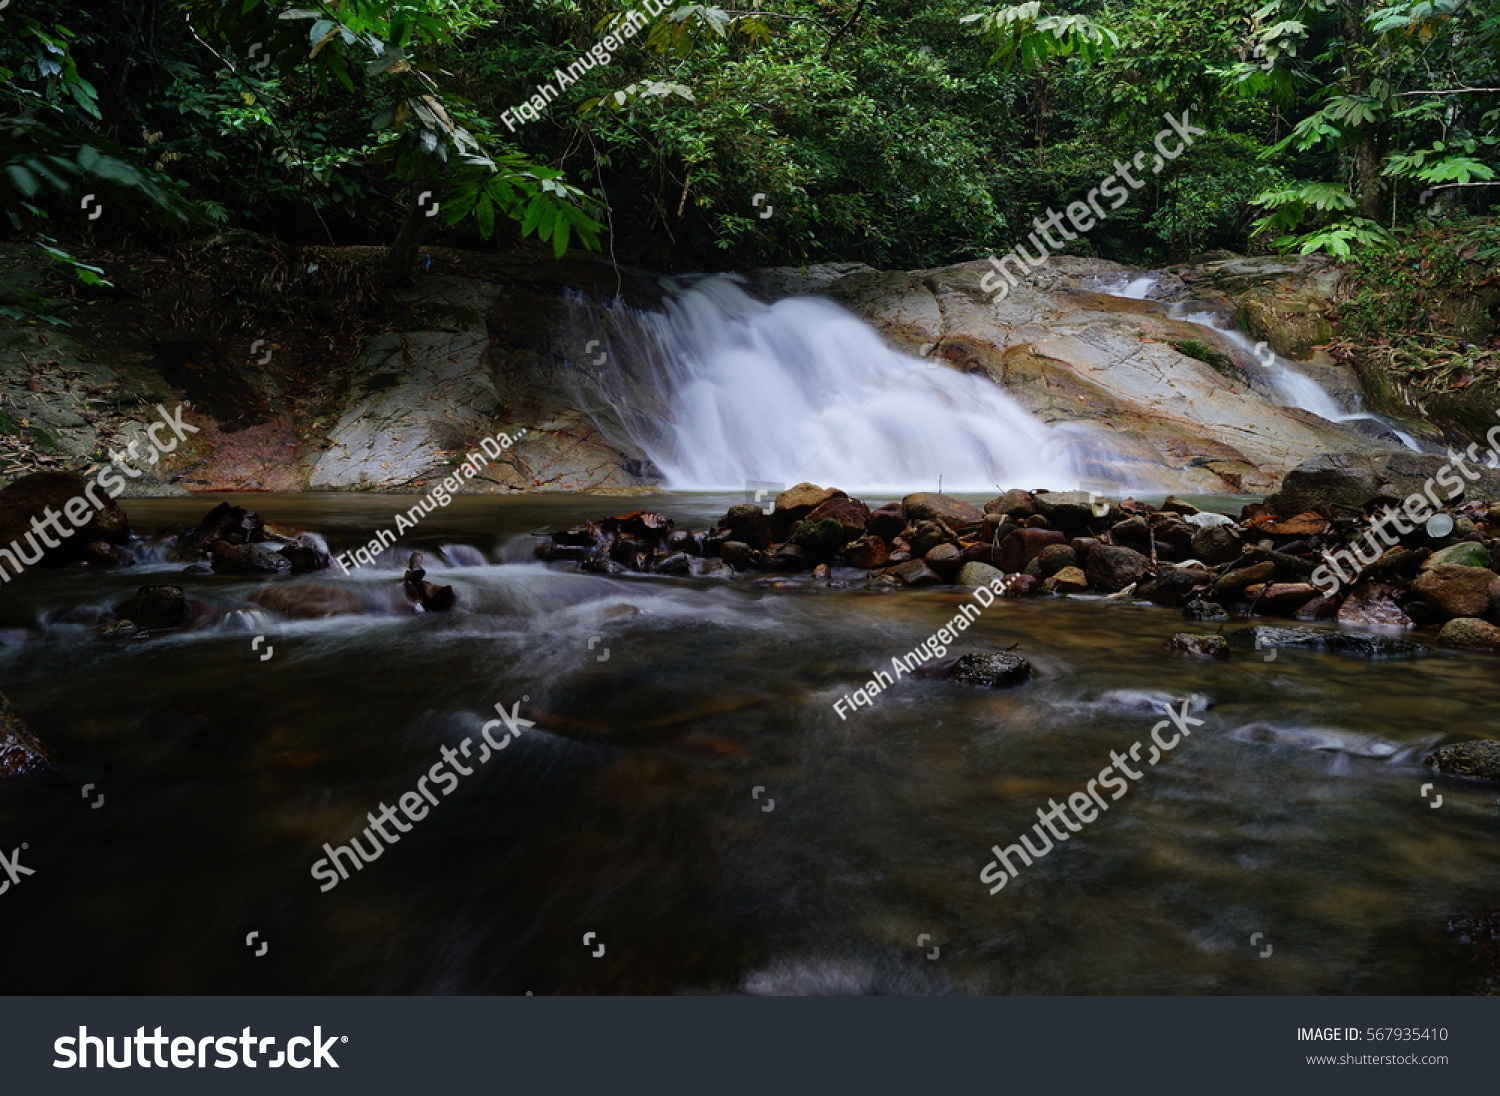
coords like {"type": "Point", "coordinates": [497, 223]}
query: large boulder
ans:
{"type": "Point", "coordinates": [748, 523]}
{"type": "Point", "coordinates": [1015, 502]}
{"type": "Point", "coordinates": [1372, 605]}
{"type": "Point", "coordinates": [952, 512]}
{"type": "Point", "coordinates": [1458, 591]}
{"type": "Point", "coordinates": [1073, 511]}
{"type": "Point", "coordinates": [1216, 544]}
{"type": "Point", "coordinates": [887, 521]}
{"type": "Point", "coordinates": [31, 497]}
{"type": "Point", "coordinates": [1113, 568]}
{"type": "Point", "coordinates": [1022, 546]}
{"type": "Point", "coordinates": [850, 514]}
{"type": "Point", "coordinates": [1328, 479]}
{"type": "Point", "coordinates": [797, 502]}
{"type": "Point", "coordinates": [1470, 633]}
{"type": "Point", "coordinates": [978, 574]}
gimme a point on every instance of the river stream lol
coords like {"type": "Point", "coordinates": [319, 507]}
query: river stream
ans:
{"type": "Point", "coordinates": [699, 808]}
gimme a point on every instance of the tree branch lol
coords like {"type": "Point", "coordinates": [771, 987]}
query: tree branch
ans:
{"type": "Point", "coordinates": [845, 29]}
{"type": "Point", "coordinates": [1450, 91]}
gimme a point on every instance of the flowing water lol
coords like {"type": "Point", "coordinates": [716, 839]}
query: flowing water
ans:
{"type": "Point", "coordinates": [804, 391]}
{"type": "Point", "coordinates": [706, 815]}
{"type": "Point", "coordinates": [1290, 386]}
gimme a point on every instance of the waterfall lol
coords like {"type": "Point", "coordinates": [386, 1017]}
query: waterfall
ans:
{"type": "Point", "coordinates": [1290, 387]}
{"type": "Point", "coordinates": [722, 392]}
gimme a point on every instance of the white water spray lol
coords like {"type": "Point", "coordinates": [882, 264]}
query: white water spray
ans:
{"type": "Point", "coordinates": [1291, 387]}
{"type": "Point", "coordinates": [803, 390]}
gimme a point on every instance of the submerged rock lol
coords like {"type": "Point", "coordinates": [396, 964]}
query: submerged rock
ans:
{"type": "Point", "coordinates": [1204, 610]}
{"type": "Point", "coordinates": [1354, 644]}
{"type": "Point", "coordinates": [996, 671]}
{"type": "Point", "coordinates": [1196, 646]}
{"type": "Point", "coordinates": [307, 602]}
{"type": "Point", "coordinates": [257, 558]}
{"type": "Point", "coordinates": [1479, 759]}
{"type": "Point", "coordinates": [155, 608]}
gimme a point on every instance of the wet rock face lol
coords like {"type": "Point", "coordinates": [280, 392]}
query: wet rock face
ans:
{"type": "Point", "coordinates": [952, 512]}
{"type": "Point", "coordinates": [1458, 591]}
{"type": "Point", "coordinates": [1195, 646]}
{"type": "Point", "coordinates": [20, 752]}
{"type": "Point", "coordinates": [230, 524]}
{"type": "Point", "coordinates": [1470, 634]}
{"type": "Point", "coordinates": [1479, 759]}
{"type": "Point", "coordinates": [1112, 568]}
{"type": "Point", "coordinates": [248, 559]}
{"type": "Point", "coordinates": [994, 671]}
{"type": "Point", "coordinates": [31, 497]}
{"type": "Point", "coordinates": [748, 524]}
{"type": "Point", "coordinates": [1353, 644]}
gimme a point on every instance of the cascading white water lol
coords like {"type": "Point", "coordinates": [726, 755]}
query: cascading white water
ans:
{"type": "Point", "coordinates": [1295, 389]}
{"type": "Point", "coordinates": [1290, 386]}
{"type": "Point", "coordinates": [803, 390]}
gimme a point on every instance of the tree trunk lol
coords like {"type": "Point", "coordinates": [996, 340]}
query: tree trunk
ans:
{"type": "Point", "coordinates": [401, 257]}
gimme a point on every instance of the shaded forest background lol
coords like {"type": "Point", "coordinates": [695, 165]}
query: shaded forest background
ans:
{"type": "Point", "coordinates": [901, 134]}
